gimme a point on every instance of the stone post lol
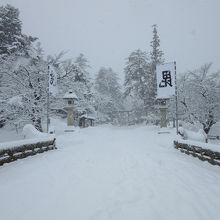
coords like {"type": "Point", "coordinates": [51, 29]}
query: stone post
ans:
{"type": "Point", "coordinates": [70, 116]}
{"type": "Point", "coordinates": [163, 113]}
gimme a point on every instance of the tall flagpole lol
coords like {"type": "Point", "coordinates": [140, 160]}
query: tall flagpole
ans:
{"type": "Point", "coordinates": [48, 97]}
{"type": "Point", "coordinates": [177, 126]}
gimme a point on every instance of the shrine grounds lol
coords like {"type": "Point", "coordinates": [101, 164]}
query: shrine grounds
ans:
{"type": "Point", "coordinates": [107, 172]}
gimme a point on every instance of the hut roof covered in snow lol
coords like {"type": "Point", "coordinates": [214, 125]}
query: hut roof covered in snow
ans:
{"type": "Point", "coordinates": [87, 117]}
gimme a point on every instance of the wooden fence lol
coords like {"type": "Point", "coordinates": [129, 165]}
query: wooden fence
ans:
{"type": "Point", "coordinates": [25, 150]}
{"type": "Point", "coordinates": [211, 156]}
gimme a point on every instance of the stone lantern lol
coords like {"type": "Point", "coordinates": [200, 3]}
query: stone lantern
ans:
{"type": "Point", "coordinates": [69, 98]}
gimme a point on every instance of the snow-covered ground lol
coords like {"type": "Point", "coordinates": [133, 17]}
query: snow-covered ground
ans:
{"type": "Point", "coordinates": [103, 173]}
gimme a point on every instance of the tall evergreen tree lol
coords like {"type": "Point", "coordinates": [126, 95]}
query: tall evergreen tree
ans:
{"type": "Point", "coordinates": [156, 56]}
{"type": "Point", "coordinates": [156, 53]}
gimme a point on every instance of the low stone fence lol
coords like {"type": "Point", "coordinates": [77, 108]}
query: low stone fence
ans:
{"type": "Point", "coordinates": [23, 150]}
{"type": "Point", "coordinates": [214, 137]}
{"type": "Point", "coordinates": [203, 154]}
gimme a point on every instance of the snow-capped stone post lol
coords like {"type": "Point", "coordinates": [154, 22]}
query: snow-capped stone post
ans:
{"type": "Point", "coordinates": [166, 88]}
{"type": "Point", "coordinates": [163, 112]}
{"type": "Point", "coordinates": [70, 97]}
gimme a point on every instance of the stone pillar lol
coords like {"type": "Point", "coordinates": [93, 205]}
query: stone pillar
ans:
{"type": "Point", "coordinates": [163, 114]}
{"type": "Point", "coordinates": [163, 117]}
{"type": "Point", "coordinates": [70, 118]}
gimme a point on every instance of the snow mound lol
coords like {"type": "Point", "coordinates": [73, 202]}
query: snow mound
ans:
{"type": "Point", "coordinates": [29, 131]}
{"type": "Point", "coordinates": [191, 135]}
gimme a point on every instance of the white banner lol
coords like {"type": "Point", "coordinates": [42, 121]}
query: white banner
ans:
{"type": "Point", "coordinates": [52, 81]}
{"type": "Point", "coordinates": [166, 81]}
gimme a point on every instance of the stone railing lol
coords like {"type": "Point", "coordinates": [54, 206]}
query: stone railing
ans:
{"type": "Point", "coordinates": [22, 150]}
{"type": "Point", "coordinates": [203, 154]}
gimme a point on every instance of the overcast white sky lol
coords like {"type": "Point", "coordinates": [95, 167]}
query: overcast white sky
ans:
{"type": "Point", "coordinates": [106, 31]}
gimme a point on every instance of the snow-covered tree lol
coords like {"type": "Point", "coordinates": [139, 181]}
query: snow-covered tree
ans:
{"type": "Point", "coordinates": [137, 78]}
{"type": "Point", "coordinates": [81, 69]}
{"type": "Point", "coordinates": [199, 96]}
{"type": "Point", "coordinates": [74, 75]}
{"type": "Point", "coordinates": [25, 83]}
{"type": "Point", "coordinates": [11, 37]}
{"type": "Point", "coordinates": [20, 68]}
{"type": "Point", "coordinates": [108, 95]}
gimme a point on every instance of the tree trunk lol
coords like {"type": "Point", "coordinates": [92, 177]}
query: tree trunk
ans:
{"type": "Point", "coordinates": [210, 122]}
{"type": "Point", "coordinates": [37, 123]}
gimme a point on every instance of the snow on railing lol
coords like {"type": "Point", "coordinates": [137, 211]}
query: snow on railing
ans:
{"type": "Point", "coordinates": [203, 151]}
{"type": "Point", "coordinates": [11, 151]}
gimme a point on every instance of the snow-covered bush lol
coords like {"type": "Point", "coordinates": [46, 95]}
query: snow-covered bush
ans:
{"type": "Point", "coordinates": [29, 131]}
{"type": "Point", "coordinates": [194, 136]}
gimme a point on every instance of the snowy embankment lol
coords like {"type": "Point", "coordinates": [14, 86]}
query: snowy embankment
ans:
{"type": "Point", "coordinates": [105, 173]}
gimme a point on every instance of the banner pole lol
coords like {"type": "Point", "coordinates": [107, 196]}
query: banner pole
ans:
{"type": "Point", "coordinates": [48, 97]}
{"type": "Point", "coordinates": [177, 126]}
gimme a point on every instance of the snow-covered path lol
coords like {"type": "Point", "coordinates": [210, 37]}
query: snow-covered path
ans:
{"type": "Point", "coordinates": [107, 173]}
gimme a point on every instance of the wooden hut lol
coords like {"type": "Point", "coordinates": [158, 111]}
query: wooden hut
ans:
{"type": "Point", "coordinates": [86, 121]}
